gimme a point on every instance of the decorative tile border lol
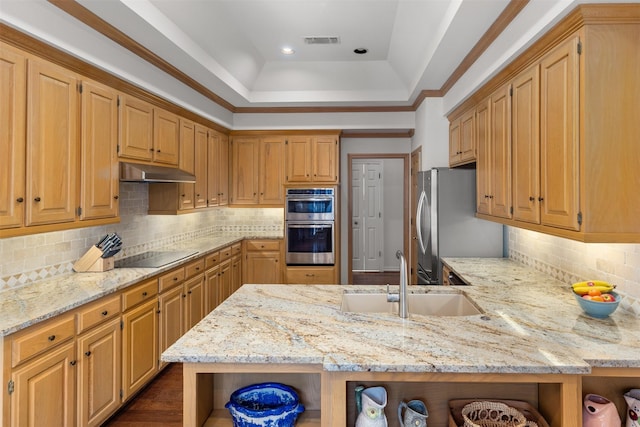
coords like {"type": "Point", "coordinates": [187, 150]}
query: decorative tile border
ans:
{"type": "Point", "coordinates": [628, 302]}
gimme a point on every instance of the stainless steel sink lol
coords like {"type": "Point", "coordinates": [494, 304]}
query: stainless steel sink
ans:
{"type": "Point", "coordinates": [424, 304]}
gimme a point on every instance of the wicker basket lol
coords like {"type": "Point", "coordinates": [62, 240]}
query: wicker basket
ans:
{"type": "Point", "coordinates": [530, 413]}
{"type": "Point", "coordinates": [492, 414]}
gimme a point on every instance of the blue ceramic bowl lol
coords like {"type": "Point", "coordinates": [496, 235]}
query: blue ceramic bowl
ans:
{"type": "Point", "coordinates": [598, 309]}
{"type": "Point", "coordinates": [264, 405]}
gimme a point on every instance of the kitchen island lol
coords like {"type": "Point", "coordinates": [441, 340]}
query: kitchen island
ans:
{"type": "Point", "coordinates": [530, 342]}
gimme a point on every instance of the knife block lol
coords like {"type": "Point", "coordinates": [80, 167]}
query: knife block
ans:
{"type": "Point", "coordinates": [92, 261]}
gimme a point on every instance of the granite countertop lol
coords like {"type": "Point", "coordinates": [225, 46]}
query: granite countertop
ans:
{"type": "Point", "coordinates": [41, 300]}
{"type": "Point", "coordinates": [530, 324]}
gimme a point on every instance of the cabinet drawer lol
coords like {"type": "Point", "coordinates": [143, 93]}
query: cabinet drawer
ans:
{"type": "Point", "coordinates": [236, 249]}
{"type": "Point", "coordinates": [212, 260]}
{"type": "Point", "coordinates": [225, 253]}
{"type": "Point", "coordinates": [97, 312]}
{"type": "Point", "coordinates": [138, 294]}
{"type": "Point", "coordinates": [310, 276]}
{"type": "Point", "coordinates": [263, 245]}
{"type": "Point", "coordinates": [193, 268]}
{"type": "Point", "coordinates": [170, 279]}
{"type": "Point", "coordinates": [37, 339]}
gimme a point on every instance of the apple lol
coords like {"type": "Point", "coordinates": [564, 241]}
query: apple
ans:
{"type": "Point", "coordinates": [608, 298]}
{"type": "Point", "coordinates": [587, 296]}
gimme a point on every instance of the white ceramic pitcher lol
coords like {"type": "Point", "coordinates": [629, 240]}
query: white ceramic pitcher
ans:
{"type": "Point", "coordinates": [633, 411]}
{"type": "Point", "coordinates": [371, 408]}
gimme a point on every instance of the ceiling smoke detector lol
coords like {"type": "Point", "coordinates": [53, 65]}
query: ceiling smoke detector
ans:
{"type": "Point", "coordinates": [322, 40]}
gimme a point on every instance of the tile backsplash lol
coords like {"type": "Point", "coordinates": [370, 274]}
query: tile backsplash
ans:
{"type": "Point", "coordinates": [34, 257]}
{"type": "Point", "coordinates": [570, 261]}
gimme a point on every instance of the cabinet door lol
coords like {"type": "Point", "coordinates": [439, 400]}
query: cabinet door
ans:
{"type": "Point", "coordinates": [139, 346]}
{"type": "Point", "coordinates": [223, 164]}
{"type": "Point", "coordinates": [468, 136]}
{"type": "Point", "coordinates": [226, 278]}
{"type": "Point", "coordinates": [245, 166]}
{"type": "Point", "coordinates": [325, 159]}
{"type": "Point", "coordinates": [166, 137]}
{"type": "Point", "coordinates": [201, 151]}
{"type": "Point", "coordinates": [187, 162]}
{"type": "Point", "coordinates": [213, 169]}
{"type": "Point", "coordinates": [135, 140]}
{"type": "Point", "coordinates": [263, 267]}
{"type": "Point", "coordinates": [13, 86]}
{"type": "Point", "coordinates": [52, 141]}
{"type": "Point", "coordinates": [298, 159]}
{"type": "Point", "coordinates": [99, 164]}
{"type": "Point", "coordinates": [500, 196]}
{"type": "Point", "coordinates": [171, 317]}
{"type": "Point", "coordinates": [45, 390]}
{"type": "Point", "coordinates": [454, 141]}
{"type": "Point", "coordinates": [194, 297]}
{"type": "Point", "coordinates": [211, 290]}
{"type": "Point", "coordinates": [559, 164]}
{"type": "Point", "coordinates": [100, 370]}
{"type": "Point", "coordinates": [483, 163]}
{"type": "Point", "coordinates": [525, 143]}
{"type": "Point", "coordinates": [272, 171]}
{"type": "Point", "coordinates": [236, 273]}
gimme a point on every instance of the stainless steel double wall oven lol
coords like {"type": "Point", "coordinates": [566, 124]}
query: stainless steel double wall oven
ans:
{"type": "Point", "coordinates": [310, 226]}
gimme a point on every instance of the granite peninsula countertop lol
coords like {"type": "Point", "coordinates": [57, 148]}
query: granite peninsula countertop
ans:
{"type": "Point", "coordinates": [531, 324]}
{"type": "Point", "coordinates": [44, 299]}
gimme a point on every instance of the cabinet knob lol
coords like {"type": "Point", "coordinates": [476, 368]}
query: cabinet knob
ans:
{"type": "Point", "coordinates": [157, 151]}
{"type": "Point", "coordinates": [116, 197]}
{"type": "Point", "coordinates": [37, 199]}
{"type": "Point", "coordinates": [189, 292]}
{"type": "Point", "coordinates": [540, 199]}
{"type": "Point", "coordinates": [150, 149]}
{"type": "Point", "coordinates": [87, 353]}
{"type": "Point", "coordinates": [19, 200]}
{"type": "Point", "coordinates": [51, 337]}
{"type": "Point", "coordinates": [72, 363]}
{"type": "Point", "coordinates": [104, 313]}
{"type": "Point", "coordinates": [175, 279]}
{"type": "Point", "coordinates": [144, 294]}
{"type": "Point", "coordinates": [183, 195]}
{"type": "Point", "coordinates": [197, 195]}
{"type": "Point", "coordinates": [531, 199]}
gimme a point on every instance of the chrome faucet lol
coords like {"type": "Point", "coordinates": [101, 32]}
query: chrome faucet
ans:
{"type": "Point", "coordinates": [401, 296]}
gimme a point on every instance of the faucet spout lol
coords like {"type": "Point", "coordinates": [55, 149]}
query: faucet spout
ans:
{"type": "Point", "coordinates": [403, 310]}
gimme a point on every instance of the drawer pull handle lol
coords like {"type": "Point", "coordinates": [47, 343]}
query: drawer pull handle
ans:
{"type": "Point", "coordinates": [87, 353]}
{"type": "Point", "coordinates": [19, 200]}
{"type": "Point", "coordinates": [175, 279]}
{"type": "Point", "coordinates": [144, 294]}
{"type": "Point", "coordinates": [51, 337]}
{"type": "Point", "coordinates": [104, 313]}
{"type": "Point", "coordinates": [72, 363]}
{"type": "Point", "coordinates": [37, 199]}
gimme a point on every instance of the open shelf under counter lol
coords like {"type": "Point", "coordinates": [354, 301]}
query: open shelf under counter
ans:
{"type": "Point", "coordinates": [222, 418]}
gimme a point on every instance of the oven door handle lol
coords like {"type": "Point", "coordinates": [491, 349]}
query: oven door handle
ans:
{"type": "Point", "coordinates": [309, 199]}
{"type": "Point", "coordinates": [309, 225]}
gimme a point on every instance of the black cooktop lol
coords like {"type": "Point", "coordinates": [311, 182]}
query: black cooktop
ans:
{"type": "Point", "coordinates": [153, 259]}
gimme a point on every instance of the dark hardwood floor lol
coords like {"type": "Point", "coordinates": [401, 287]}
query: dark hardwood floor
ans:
{"type": "Point", "coordinates": [390, 277]}
{"type": "Point", "coordinates": [158, 405]}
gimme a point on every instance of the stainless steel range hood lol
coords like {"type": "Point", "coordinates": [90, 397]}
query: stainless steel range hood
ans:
{"type": "Point", "coordinates": [134, 172]}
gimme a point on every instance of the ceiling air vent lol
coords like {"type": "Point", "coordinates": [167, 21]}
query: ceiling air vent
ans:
{"type": "Point", "coordinates": [322, 40]}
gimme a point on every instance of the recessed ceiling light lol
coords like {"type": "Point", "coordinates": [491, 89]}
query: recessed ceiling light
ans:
{"type": "Point", "coordinates": [360, 51]}
{"type": "Point", "coordinates": [287, 51]}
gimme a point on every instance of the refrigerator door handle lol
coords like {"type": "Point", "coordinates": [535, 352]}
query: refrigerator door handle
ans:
{"type": "Point", "coordinates": [423, 196]}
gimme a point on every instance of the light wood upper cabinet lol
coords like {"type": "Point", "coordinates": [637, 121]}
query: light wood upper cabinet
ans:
{"type": "Point", "coordinates": [559, 144]}
{"type": "Point", "coordinates": [462, 139]}
{"type": "Point", "coordinates": [312, 158]}
{"type": "Point", "coordinates": [257, 170]}
{"type": "Point", "coordinates": [525, 144]}
{"type": "Point", "coordinates": [13, 86]}
{"type": "Point", "coordinates": [201, 146]}
{"type": "Point", "coordinates": [271, 171]}
{"type": "Point", "coordinates": [52, 144]}
{"type": "Point", "coordinates": [187, 163]}
{"type": "Point", "coordinates": [136, 129]}
{"type": "Point", "coordinates": [166, 137]}
{"type": "Point", "coordinates": [483, 163]}
{"type": "Point", "coordinates": [218, 169]}
{"type": "Point", "coordinates": [500, 155]}
{"type": "Point", "coordinates": [99, 162]}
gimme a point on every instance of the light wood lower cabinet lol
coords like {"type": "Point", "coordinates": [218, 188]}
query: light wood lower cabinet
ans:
{"type": "Point", "coordinates": [139, 345]}
{"type": "Point", "coordinates": [311, 275]}
{"type": "Point", "coordinates": [263, 262]}
{"type": "Point", "coordinates": [44, 390]}
{"type": "Point", "coordinates": [171, 318]}
{"type": "Point", "coordinates": [194, 290]}
{"type": "Point", "coordinates": [99, 373]}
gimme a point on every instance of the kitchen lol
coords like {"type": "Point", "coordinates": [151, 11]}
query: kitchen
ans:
{"type": "Point", "coordinates": [561, 258]}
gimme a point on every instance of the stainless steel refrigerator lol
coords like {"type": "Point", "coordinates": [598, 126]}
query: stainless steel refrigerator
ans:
{"type": "Point", "coordinates": [446, 222]}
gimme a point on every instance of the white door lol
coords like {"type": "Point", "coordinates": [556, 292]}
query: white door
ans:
{"type": "Point", "coordinates": [367, 221]}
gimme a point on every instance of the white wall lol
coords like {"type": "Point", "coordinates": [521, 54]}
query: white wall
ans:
{"type": "Point", "coordinates": [432, 134]}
